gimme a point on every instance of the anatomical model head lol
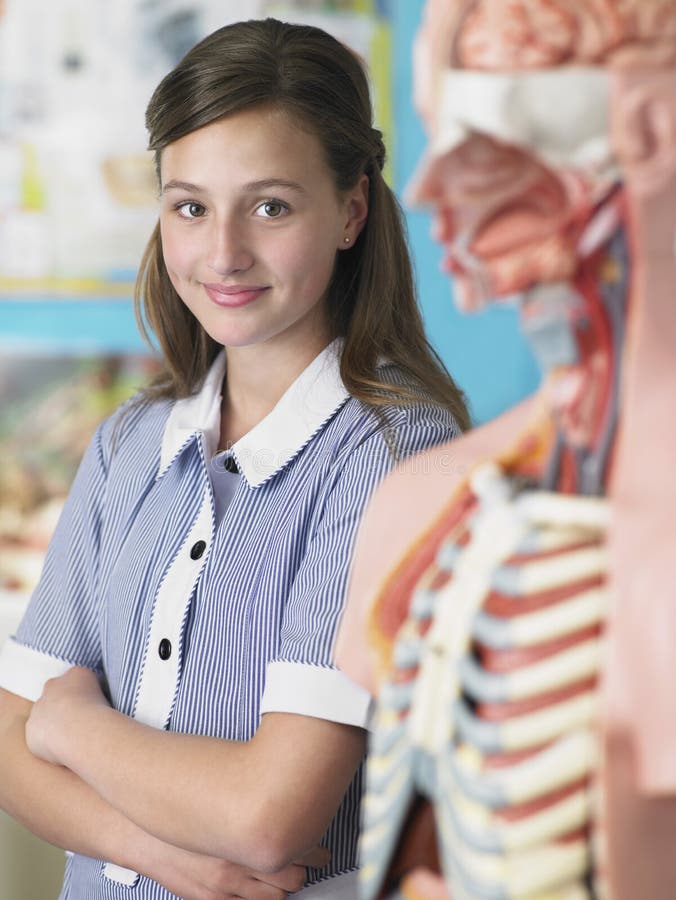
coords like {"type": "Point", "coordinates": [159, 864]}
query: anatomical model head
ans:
{"type": "Point", "coordinates": [522, 173]}
{"type": "Point", "coordinates": [515, 98]}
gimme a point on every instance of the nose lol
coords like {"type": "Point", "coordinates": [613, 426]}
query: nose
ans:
{"type": "Point", "coordinates": [429, 187]}
{"type": "Point", "coordinates": [228, 248]}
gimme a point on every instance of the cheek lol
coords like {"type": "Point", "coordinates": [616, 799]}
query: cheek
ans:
{"type": "Point", "coordinates": [176, 250]}
{"type": "Point", "coordinates": [308, 263]}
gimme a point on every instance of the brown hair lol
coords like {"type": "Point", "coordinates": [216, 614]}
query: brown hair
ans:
{"type": "Point", "coordinates": [322, 85]}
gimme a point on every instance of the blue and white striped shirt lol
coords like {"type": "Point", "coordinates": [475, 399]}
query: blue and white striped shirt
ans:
{"type": "Point", "coordinates": [201, 626]}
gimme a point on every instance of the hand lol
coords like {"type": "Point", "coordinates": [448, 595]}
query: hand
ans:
{"type": "Point", "coordinates": [195, 877]}
{"type": "Point", "coordinates": [51, 725]}
{"type": "Point", "coordinates": [423, 883]}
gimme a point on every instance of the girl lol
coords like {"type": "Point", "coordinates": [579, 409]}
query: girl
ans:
{"type": "Point", "coordinates": [195, 733]}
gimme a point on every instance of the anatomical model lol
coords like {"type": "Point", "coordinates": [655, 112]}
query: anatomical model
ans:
{"type": "Point", "coordinates": [512, 603]}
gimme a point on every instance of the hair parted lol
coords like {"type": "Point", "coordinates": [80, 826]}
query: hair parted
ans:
{"type": "Point", "coordinates": [322, 86]}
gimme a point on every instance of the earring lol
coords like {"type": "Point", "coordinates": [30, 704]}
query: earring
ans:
{"type": "Point", "coordinates": [346, 240]}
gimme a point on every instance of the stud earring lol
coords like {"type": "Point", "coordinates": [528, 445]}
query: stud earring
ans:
{"type": "Point", "coordinates": [346, 240]}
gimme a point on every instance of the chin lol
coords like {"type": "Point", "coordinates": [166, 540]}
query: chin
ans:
{"type": "Point", "coordinates": [228, 339]}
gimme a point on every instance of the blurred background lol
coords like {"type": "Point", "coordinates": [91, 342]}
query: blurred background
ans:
{"type": "Point", "coordinates": [77, 203]}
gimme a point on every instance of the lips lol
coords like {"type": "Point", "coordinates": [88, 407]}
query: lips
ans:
{"type": "Point", "coordinates": [233, 296]}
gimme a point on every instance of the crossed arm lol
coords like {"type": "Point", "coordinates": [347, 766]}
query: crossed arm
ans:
{"type": "Point", "coordinates": [261, 803]}
{"type": "Point", "coordinates": [171, 806]}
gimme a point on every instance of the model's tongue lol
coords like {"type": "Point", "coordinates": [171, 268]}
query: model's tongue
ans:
{"type": "Point", "coordinates": [510, 231]}
{"type": "Point", "coordinates": [479, 280]}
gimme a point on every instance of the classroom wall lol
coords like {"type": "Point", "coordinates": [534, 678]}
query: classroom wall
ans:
{"type": "Point", "coordinates": [30, 869]}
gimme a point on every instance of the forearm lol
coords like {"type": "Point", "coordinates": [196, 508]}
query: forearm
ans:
{"type": "Point", "coordinates": [259, 803]}
{"type": "Point", "coordinates": [60, 808]}
{"type": "Point", "coordinates": [191, 791]}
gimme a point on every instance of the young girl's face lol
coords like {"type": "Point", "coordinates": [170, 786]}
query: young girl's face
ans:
{"type": "Point", "coordinates": [251, 222]}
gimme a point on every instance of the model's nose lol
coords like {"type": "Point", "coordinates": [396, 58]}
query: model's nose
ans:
{"type": "Point", "coordinates": [424, 185]}
{"type": "Point", "coordinates": [431, 185]}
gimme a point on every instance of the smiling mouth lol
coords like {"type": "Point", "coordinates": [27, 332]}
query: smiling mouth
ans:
{"type": "Point", "coordinates": [233, 296]}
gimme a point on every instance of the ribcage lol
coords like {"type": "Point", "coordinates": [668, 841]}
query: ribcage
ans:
{"type": "Point", "coordinates": [490, 708]}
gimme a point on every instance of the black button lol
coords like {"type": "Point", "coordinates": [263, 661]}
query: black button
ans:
{"type": "Point", "coordinates": [198, 549]}
{"type": "Point", "coordinates": [230, 465]}
{"type": "Point", "coordinates": [165, 648]}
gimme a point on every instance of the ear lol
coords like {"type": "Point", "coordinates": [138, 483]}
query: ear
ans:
{"type": "Point", "coordinates": [356, 212]}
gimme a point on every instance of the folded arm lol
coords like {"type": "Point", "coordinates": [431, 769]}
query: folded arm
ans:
{"type": "Point", "coordinates": [261, 803]}
{"type": "Point", "coordinates": [59, 807]}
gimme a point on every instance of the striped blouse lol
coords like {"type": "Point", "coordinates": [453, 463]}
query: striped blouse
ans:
{"type": "Point", "coordinates": [198, 625]}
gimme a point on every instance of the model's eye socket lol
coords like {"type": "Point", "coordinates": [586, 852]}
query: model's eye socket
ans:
{"type": "Point", "coordinates": [272, 209]}
{"type": "Point", "coordinates": [191, 210]}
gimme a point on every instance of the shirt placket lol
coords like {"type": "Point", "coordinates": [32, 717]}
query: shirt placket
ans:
{"type": "Point", "coordinates": [160, 673]}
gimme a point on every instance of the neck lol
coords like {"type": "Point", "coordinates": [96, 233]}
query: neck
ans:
{"type": "Point", "coordinates": [576, 330]}
{"type": "Point", "coordinates": [257, 377]}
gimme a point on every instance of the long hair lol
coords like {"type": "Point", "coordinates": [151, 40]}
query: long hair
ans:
{"type": "Point", "coordinates": [321, 84]}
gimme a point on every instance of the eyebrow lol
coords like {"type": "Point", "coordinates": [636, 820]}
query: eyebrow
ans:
{"type": "Point", "coordinates": [182, 186]}
{"type": "Point", "coordinates": [250, 188]}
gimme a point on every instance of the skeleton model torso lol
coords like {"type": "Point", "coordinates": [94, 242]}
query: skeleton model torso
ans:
{"type": "Point", "coordinates": [520, 630]}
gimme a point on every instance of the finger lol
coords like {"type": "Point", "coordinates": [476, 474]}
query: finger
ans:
{"type": "Point", "coordinates": [317, 858]}
{"type": "Point", "coordinates": [261, 890]}
{"type": "Point", "coordinates": [290, 879]}
{"type": "Point", "coordinates": [422, 884]}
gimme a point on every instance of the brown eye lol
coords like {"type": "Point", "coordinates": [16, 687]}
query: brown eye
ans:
{"type": "Point", "coordinates": [272, 209]}
{"type": "Point", "coordinates": [191, 210]}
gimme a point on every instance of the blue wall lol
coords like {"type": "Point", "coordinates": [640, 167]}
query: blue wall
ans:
{"type": "Point", "coordinates": [484, 352]}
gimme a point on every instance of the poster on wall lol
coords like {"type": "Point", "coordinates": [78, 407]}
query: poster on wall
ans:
{"type": "Point", "coordinates": [77, 186]}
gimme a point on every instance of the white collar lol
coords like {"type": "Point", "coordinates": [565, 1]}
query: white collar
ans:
{"type": "Point", "coordinates": [309, 402]}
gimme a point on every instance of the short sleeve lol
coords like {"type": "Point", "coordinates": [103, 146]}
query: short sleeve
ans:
{"type": "Point", "coordinates": [303, 678]}
{"type": "Point", "coordinates": [61, 626]}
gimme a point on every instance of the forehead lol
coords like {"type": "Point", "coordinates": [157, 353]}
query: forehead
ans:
{"type": "Point", "coordinates": [253, 139]}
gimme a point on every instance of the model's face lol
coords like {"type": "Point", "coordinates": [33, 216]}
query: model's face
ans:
{"type": "Point", "coordinates": [251, 222]}
{"type": "Point", "coordinates": [508, 174]}
{"type": "Point", "coordinates": [505, 220]}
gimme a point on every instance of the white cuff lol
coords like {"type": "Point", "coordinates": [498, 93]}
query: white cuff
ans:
{"type": "Point", "coordinates": [25, 671]}
{"type": "Point", "coordinates": [113, 872]}
{"type": "Point", "coordinates": [315, 691]}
